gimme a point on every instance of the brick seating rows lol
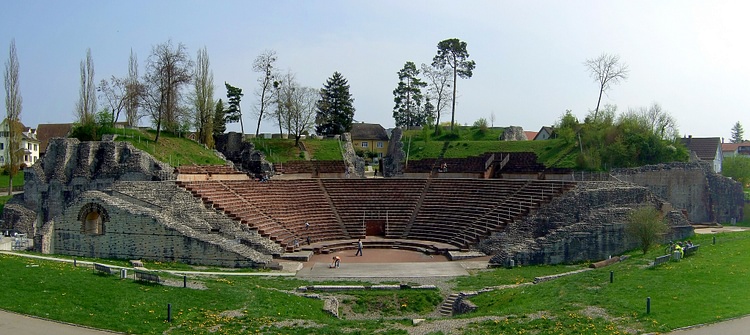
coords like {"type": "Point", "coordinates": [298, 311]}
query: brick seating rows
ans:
{"type": "Point", "coordinates": [311, 167]}
{"type": "Point", "coordinates": [450, 207]}
{"type": "Point", "coordinates": [221, 197]}
{"type": "Point", "coordinates": [426, 247]}
{"type": "Point", "coordinates": [393, 200]}
{"type": "Point", "coordinates": [206, 169]}
{"type": "Point", "coordinates": [453, 211]}
{"type": "Point", "coordinates": [472, 164]}
{"type": "Point", "coordinates": [292, 203]}
{"type": "Point", "coordinates": [462, 211]}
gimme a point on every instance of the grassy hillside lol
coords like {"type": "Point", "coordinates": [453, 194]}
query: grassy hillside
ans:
{"type": "Point", "coordinates": [283, 150]}
{"type": "Point", "coordinates": [170, 149]}
{"type": "Point", "coordinates": [583, 303]}
{"type": "Point", "coordinates": [419, 144]}
{"type": "Point", "coordinates": [470, 141]}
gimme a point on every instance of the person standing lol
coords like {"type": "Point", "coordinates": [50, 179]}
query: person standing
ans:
{"type": "Point", "coordinates": [359, 248]}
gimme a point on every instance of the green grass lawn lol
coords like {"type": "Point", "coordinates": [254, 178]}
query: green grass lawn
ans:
{"type": "Point", "coordinates": [587, 303]}
{"type": "Point", "coordinates": [703, 288]}
{"type": "Point", "coordinates": [17, 180]}
{"type": "Point", "coordinates": [170, 149]}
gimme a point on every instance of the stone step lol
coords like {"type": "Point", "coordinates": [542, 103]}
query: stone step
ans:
{"type": "Point", "coordinates": [446, 308]}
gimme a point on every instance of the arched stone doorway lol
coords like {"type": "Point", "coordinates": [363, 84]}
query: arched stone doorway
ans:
{"type": "Point", "coordinates": [93, 217]}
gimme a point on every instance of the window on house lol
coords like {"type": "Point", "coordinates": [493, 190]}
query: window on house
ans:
{"type": "Point", "coordinates": [28, 146]}
{"type": "Point", "coordinates": [36, 147]}
{"type": "Point", "coordinates": [380, 155]}
{"type": "Point", "coordinates": [25, 158]}
{"type": "Point", "coordinates": [380, 144]}
{"type": "Point", "coordinates": [2, 160]}
{"type": "Point", "coordinates": [2, 146]}
{"type": "Point", "coordinates": [364, 144]}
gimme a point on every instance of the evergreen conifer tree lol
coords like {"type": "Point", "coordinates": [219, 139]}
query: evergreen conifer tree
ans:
{"type": "Point", "coordinates": [335, 109]}
{"type": "Point", "coordinates": [408, 111]}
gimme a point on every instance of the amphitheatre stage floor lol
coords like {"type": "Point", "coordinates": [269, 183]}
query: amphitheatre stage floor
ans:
{"type": "Point", "coordinates": [387, 263]}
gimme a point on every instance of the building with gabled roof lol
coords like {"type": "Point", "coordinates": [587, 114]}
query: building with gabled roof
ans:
{"type": "Point", "coordinates": [544, 133]}
{"type": "Point", "coordinates": [29, 144]}
{"type": "Point", "coordinates": [370, 137]}
{"type": "Point", "coordinates": [706, 149]}
{"type": "Point", "coordinates": [736, 149]}
{"type": "Point", "coordinates": [47, 131]}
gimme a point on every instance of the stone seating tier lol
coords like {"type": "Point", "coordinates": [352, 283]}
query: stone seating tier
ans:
{"type": "Point", "coordinates": [455, 211]}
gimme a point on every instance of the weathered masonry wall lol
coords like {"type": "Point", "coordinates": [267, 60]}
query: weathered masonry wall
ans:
{"type": "Point", "coordinates": [135, 233]}
{"type": "Point", "coordinates": [586, 223]}
{"type": "Point", "coordinates": [693, 187]}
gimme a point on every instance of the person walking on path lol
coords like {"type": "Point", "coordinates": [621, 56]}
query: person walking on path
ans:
{"type": "Point", "coordinates": [359, 248]}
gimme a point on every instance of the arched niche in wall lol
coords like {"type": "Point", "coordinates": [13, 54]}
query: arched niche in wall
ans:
{"type": "Point", "coordinates": [92, 217]}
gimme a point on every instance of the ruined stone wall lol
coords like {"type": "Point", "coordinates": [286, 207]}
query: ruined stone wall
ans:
{"type": "Point", "coordinates": [18, 218]}
{"type": "Point", "coordinates": [693, 187]}
{"type": "Point", "coordinates": [135, 232]}
{"type": "Point", "coordinates": [586, 223]}
{"type": "Point", "coordinates": [393, 162]}
{"type": "Point", "coordinates": [513, 133]}
{"type": "Point", "coordinates": [354, 163]}
{"type": "Point", "coordinates": [242, 154]}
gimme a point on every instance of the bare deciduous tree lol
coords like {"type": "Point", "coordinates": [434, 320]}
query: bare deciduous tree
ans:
{"type": "Point", "coordinates": [133, 92]}
{"type": "Point", "coordinates": [168, 69]}
{"type": "Point", "coordinates": [656, 119]}
{"type": "Point", "coordinates": [301, 110]}
{"type": "Point", "coordinates": [203, 98]}
{"type": "Point", "coordinates": [264, 64]}
{"type": "Point", "coordinates": [439, 83]}
{"type": "Point", "coordinates": [86, 106]}
{"type": "Point", "coordinates": [13, 107]}
{"type": "Point", "coordinates": [606, 70]}
{"type": "Point", "coordinates": [114, 92]}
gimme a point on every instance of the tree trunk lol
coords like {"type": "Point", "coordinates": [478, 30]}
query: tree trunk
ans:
{"type": "Point", "coordinates": [260, 117]}
{"type": "Point", "coordinates": [453, 105]}
{"type": "Point", "coordinates": [596, 111]}
{"type": "Point", "coordinates": [242, 127]}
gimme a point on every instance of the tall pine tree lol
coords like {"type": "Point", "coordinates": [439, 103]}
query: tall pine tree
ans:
{"type": "Point", "coordinates": [220, 118]}
{"type": "Point", "coordinates": [408, 111]}
{"type": "Point", "coordinates": [233, 111]}
{"type": "Point", "coordinates": [335, 107]}
{"type": "Point", "coordinates": [737, 133]}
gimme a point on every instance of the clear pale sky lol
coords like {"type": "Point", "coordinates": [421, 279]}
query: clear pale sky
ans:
{"type": "Point", "coordinates": [692, 57]}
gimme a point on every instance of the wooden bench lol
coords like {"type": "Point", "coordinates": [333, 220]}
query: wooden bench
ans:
{"type": "Point", "coordinates": [147, 276]}
{"type": "Point", "coordinates": [690, 250]}
{"type": "Point", "coordinates": [662, 259]}
{"type": "Point", "coordinates": [102, 268]}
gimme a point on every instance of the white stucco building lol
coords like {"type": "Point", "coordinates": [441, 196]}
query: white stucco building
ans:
{"type": "Point", "coordinates": [29, 144]}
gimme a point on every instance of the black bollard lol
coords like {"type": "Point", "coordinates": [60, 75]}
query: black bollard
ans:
{"type": "Point", "coordinates": [648, 305]}
{"type": "Point", "coordinates": [184, 281]}
{"type": "Point", "coordinates": [714, 239]}
{"type": "Point", "coordinates": [611, 277]}
{"type": "Point", "coordinates": [169, 312]}
{"type": "Point", "coordinates": [74, 262]}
